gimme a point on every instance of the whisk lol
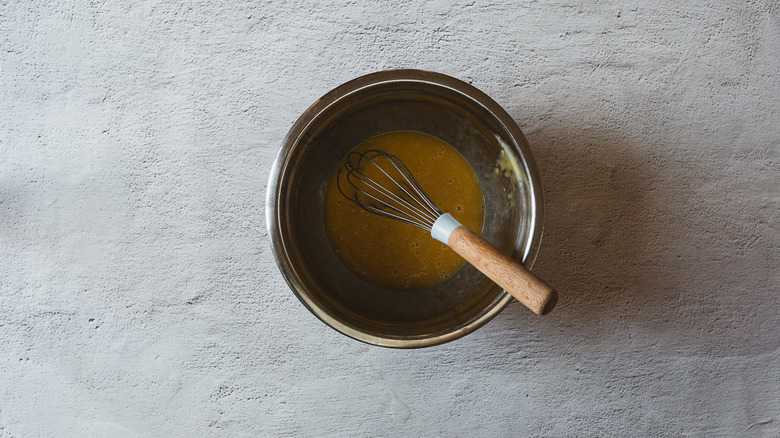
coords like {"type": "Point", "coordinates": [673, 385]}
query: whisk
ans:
{"type": "Point", "coordinates": [382, 184]}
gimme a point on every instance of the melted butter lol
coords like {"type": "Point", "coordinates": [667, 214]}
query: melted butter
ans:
{"type": "Point", "coordinates": [509, 167]}
{"type": "Point", "coordinates": [393, 254]}
{"type": "Point", "coordinates": [506, 165]}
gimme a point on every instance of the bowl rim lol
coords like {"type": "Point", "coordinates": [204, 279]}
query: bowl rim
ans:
{"type": "Point", "coordinates": [526, 255]}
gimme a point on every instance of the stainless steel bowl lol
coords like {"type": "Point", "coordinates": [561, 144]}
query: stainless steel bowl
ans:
{"type": "Point", "coordinates": [393, 100]}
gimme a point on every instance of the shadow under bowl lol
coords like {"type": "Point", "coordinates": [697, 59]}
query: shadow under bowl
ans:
{"type": "Point", "coordinates": [399, 100]}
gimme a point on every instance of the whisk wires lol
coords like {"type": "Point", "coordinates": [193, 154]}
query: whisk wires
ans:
{"type": "Point", "coordinates": [383, 185]}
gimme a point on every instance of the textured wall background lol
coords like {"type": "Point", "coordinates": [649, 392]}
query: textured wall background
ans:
{"type": "Point", "coordinates": [138, 293]}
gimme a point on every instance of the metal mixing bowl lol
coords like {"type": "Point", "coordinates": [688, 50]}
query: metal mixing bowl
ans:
{"type": "Point", "coordinates": [435, 104]}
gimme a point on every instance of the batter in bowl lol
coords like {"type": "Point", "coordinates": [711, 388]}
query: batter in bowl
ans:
{"type": "Point", "coordinates": [392, 254]}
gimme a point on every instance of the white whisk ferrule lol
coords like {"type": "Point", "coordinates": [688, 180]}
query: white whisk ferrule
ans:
{"type": "Point", "coordinates": [443, 228]}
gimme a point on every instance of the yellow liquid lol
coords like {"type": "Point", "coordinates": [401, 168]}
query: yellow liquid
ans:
{"type": "Point", "coordinates": [393, 254]}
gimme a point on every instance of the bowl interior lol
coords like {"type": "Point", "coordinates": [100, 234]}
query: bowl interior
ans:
{"type": "Point", "coordinates": [338, 124]}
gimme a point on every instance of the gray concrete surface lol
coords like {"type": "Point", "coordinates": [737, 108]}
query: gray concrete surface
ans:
{"type": "Point", "coordinates": [139, 297]}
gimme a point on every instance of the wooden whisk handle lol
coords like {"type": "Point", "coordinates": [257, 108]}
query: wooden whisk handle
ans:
{"type": "Point", "coordinates": [505, 271]}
